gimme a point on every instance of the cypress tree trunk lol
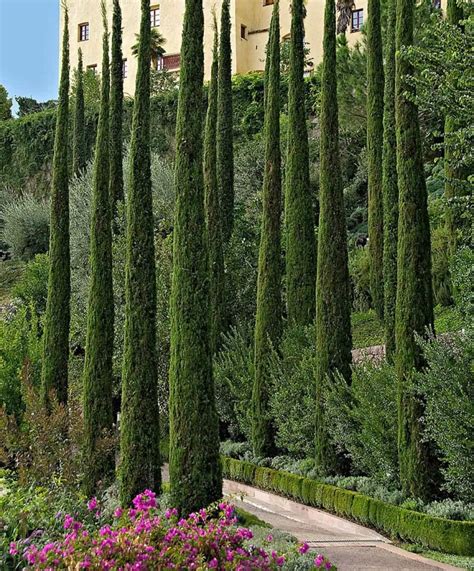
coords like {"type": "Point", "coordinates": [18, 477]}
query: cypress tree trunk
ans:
{"type": "Point", "coordinates": [79, 147]}
{"type": "Point", "coordinates": [225, 135]}
{"type": "Point", "coordinates": [375, 87]}
{"type": "Point", "coordinates": [116, 108]}
{"type": "Point", "coordinates": [414, 309]}
{"type": "Point", "coordinates": [333, 318]}
{"type": "Point", "coordinates": [213, 212]}
{"type": "Point", "coordinates": [195, 472]}
{"type": "Point", "coordinates": [453, 175]}
{"type": "Point", "coordinates": [390, 186]}
{"type": "Point", "coordinates": [140, 431]}
{"type": "Point", "coordinates": [300, 239]}
{"type": "Point", "coordinates": [98, 415]}
{"type": "Point", "coordinates": [54, 372]}
{"type": "Point", "coordinates": [268, 322]}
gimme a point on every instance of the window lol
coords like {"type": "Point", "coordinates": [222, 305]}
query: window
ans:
{"type": "Point", "coordinates": [124, 68]}
{"type": "Point", "coordinates": [243, 32]}
{"type": "Point", "coordinates": [155, 17]}
{"type": "Point", "coordinates": [357, 20]}
{"type": "Point", "coordinates": [92, 68]}
{"type": "Point", "coordinates": [159, 62]}
{"type": "Point", "coordinates": [268, 2]}
{"type": "Point", "coordinates": [84, 32]}
{"type": "Point", "coordinates": [437, 4]}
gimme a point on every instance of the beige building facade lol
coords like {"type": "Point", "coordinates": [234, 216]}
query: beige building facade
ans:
{"type": "Point", "coordinates": [250, 23]}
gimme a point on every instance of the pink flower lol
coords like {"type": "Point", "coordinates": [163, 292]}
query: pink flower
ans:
{"type": "Point", "coordinates": [213, 563]}
{"type": "Point", "coordinates": [269, 538]}
{"type": "Point", "coordinates": [92, 504]}
{"type": "Point", "coordinates": [13, 549]}
{"type": "Point", "coordinates": [303, 548]}
{"type": "Point", "coordinates": [118, 513]}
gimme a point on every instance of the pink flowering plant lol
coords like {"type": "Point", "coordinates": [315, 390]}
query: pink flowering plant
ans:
{"type": "Point", "coordinates": [144, 538]}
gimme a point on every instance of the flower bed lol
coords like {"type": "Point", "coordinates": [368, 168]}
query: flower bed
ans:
{"type": "Point", "coordinates": [449, 536]}
{"type": "Point", "coordinates": [143, 538]}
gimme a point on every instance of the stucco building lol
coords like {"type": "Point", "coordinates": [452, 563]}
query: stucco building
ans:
{"type": "Point", "coordinates": [250, 23]}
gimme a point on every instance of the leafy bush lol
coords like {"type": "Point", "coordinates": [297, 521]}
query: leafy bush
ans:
{"type": "Point", "coordinates": [462, 273]}
{"type": "Point", "coordinates": [362, 419]}
{"type": "Point", "coordinates": [20, 348]}
{"type": "Point", "coordinates": [359, 270]}
{"type": "Point", "coordinates": [448, 389]}
{"type": "Point", "coordinates": [26, 226]}
{"type": "Point", "coordinates": [233, 380]}
{"type": "Point", "coordinates": [144, 537]}
{"type": "Point", "coordinates": [441, 275]}
{"type": "Point", "coordinates": [32, 287]}
{"type": "Point", "coordinates": [451, 509]}
{"type": "Point", "coordinates": [292, 401]}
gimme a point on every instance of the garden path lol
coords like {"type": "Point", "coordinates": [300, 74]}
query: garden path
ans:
{"type": "Point", "coordinates": [350, 546]}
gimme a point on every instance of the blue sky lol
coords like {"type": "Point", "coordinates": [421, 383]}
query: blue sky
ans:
{"type": "Point", "coordinates": [29, 31]}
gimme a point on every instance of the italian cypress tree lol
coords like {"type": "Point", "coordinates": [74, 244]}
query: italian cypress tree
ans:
{"type": "Point", "coordinates": [225, 140]}
{"type": "Point", "coordinates": [98, 374]}
{"type": "Point", "coordinates": [140, 431]}
{"type": "Point", "coordinates": [54, 372]}
{"type": "Point", "coordinates": [195, 472]}
{"type": "Point", "coordinates": [390, 186]}
{"type": "Point", "coordinates": [453, 174]}
{"type": "Point", "coordinates": [268, 321]}
{"type": "Point", "coordinates": [299, 221]}
{"type": "Point", "coordinates": [79, 145]}
{"type": "Point", "coordinates": [213, 212]}
{"type": "Point", "coordinates": [116, 108]}
{"type": "Point", "coordinates": [375, 88]}
{"type": "Point", "coordinates": [414, 306]}
{"type": "Point", "coordinates": [333, 318]}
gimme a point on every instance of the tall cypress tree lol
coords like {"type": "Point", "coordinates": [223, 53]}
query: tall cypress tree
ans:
{"type": "Point", "coordinates": [140, 431]}
{"type": "Point", "coordinates": [213, 212]}
{"type": "Point", "coordinates": [195, 472]}
{"type": "Point", "coordinates": [98, 374]}
{"type": "Point", "coordinates": [333, 317]}
{"type": "Point", "coordinates": [116, 108]}
{"type": "Point", "coordinates": [375, 88]}
{"type": "Point", "coordinates": [225, 135]}
{"type": "Point", "coordinates": [268, 322]}
{"type": "Point", "coordinates": [54, 372]}
{"type": "Point", "coordinates": [390, 186]}
{"type": "Point", "coordinates": [453, 174]}
{"type": "Point", "coordinates": [300, 239]}
{"type": "Point", "coordinates": [79, 146]}
{"type": "Point", "coordinates": [414, 308]}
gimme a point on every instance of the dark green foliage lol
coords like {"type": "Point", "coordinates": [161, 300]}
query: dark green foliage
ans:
{"type": "Point", "coordinates": [437, 533]}
{"type": "Point", "coordinates": [28, 105]}
{"type": "Point", "coordinates": [79, 143]}
{"type": "Point", "coordinates": [333, 318]}
{"type": "Point", "coordinates": [195, 472]}
{"type": "Point", "coordinates": [213, 210]}
{"type": "Point", "coordinates": [453, 175]}
{"type": "Point", "coordinates": [375, 109]}
{"type": "Point", "coordinates": [390, 186]}
{"type": "Point", "coordinates": [54, 374]}
{"type": "Point", "coordinates": [97, 387]}
{"type": "Point", "coordinates": [225, 135]}
{"type": "Point", "coordinates": [268, 321]}
{"type": "Point", "coordinates": [116, 108]}
{"type": "Point", "coordinates": [5, 104]}
{"type": "Point", "coordinates": [140, 432]}
{"type": "Point", "coordinates": [299, 222]}
{"type": "Point", "coordinates": [414, 306]}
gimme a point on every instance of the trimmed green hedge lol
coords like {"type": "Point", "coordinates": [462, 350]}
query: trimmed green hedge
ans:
{"type": "Point", "coordinates": [456, 537]}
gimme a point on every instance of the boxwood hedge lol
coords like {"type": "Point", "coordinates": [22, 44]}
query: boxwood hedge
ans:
{"type": "Point", "coordinates": [449, 536]}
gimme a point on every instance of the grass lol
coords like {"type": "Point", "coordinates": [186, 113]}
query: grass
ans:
{"type": "Point", "coordinates": [455, 560]}
{"type": "Point", "coordinates": [367, 329]}
{"type": "Point", "coordinates": [10, 272]}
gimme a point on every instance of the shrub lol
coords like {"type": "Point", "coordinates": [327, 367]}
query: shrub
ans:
{"type": "Point", "coordinates": [448, 389]}
{"type": "Point", "coordinates": [462, 274]}
{"type": "Point", "coordinates": [451, 509]}
{"type": "Point", "coordinates": [145, 538]}
{"type": "Point", "coordinates": [362, 420]}
{"type": "Point", "coordinates": [26, 226]}
{"type": "Point", "coordinates": [233, 378]}
{"type": "Point", "coordinates": [441, 275]}
{"type": "Point", "coordinates": [359, 271]}
{"type": "Point", "coordinates": [20, 347]}
{"type": "Point", "coordinates": [292, 401]}
{"type": "Point", "coordinates": [32, 287]}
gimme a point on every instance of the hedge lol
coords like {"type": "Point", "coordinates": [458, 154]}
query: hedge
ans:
{"type": "Point", "coordinates": [449, 536]}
